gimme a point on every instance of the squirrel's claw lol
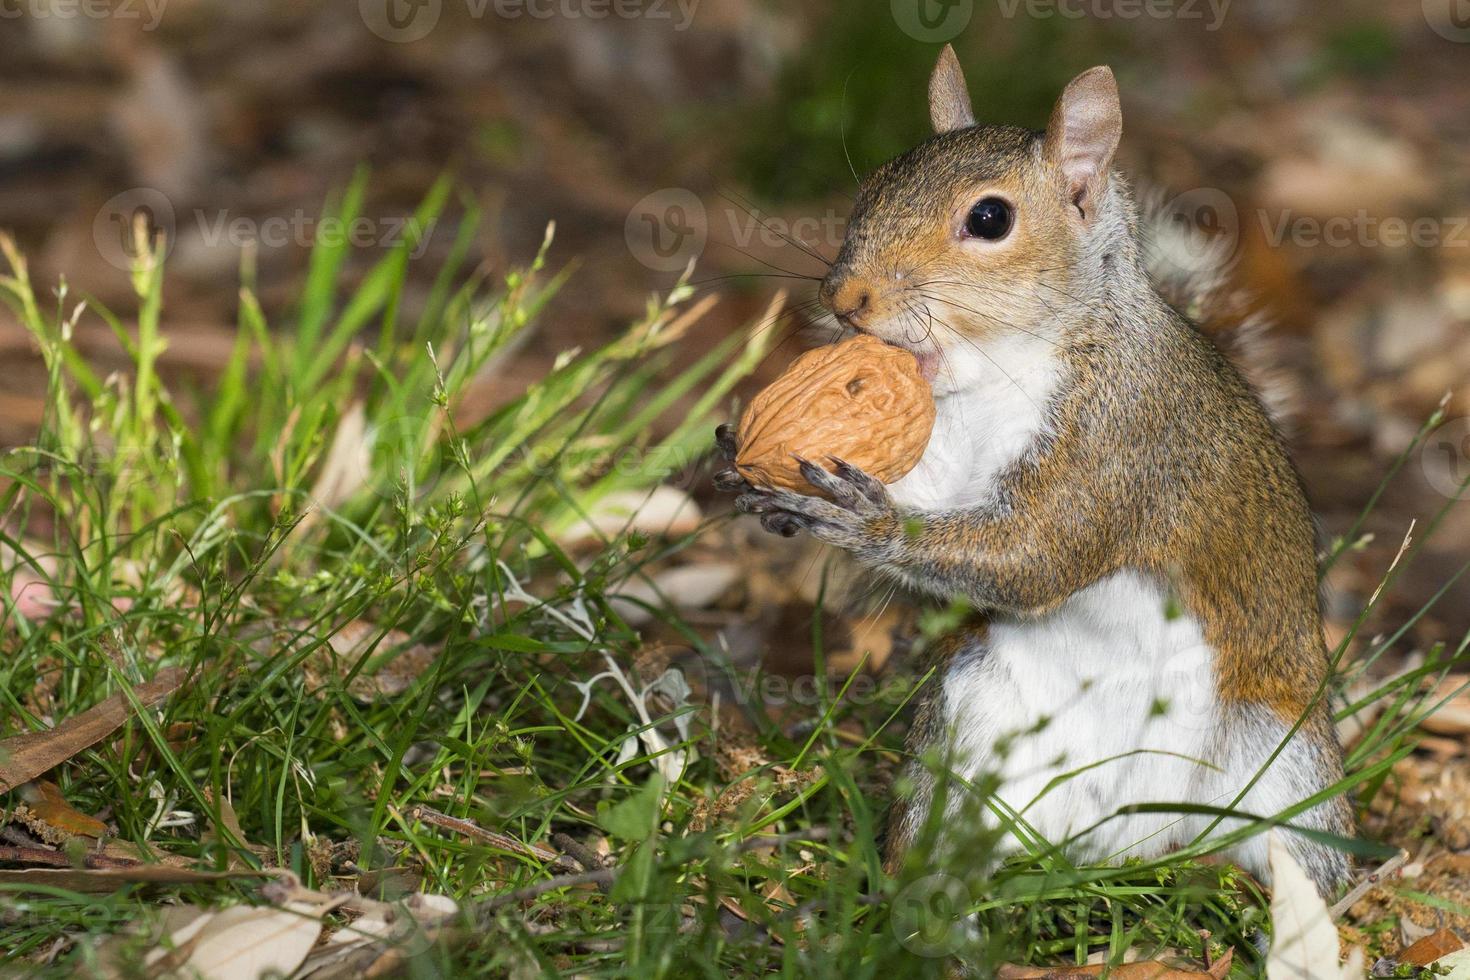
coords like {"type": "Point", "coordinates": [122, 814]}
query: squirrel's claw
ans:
{"type": "Point", "coordinates": [844, 493]}
{"type": "Point", "coordinates": [849, 487]}
{"type": "Point", "coordinates": [725, 440]}
{"type": "Point", "coordinates": [730, 479]}
{"type": "Point", "coordinates": [756, 502]}
{"type": "Point", "coordinates": [855, 528]}
{"type": "Point", "coordinates": [778, 522]}
{"type": "Point", "coordinates": [869, 487]}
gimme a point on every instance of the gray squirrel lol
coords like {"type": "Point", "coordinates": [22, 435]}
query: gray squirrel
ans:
{"type": "Point", "coordinates": [1102, 485]}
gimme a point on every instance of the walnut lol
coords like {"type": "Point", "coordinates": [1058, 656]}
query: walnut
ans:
{"type": "Point", "coordinates": [862, 401]}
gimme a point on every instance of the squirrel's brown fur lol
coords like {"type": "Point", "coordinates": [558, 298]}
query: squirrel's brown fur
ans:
{"type": "Point", "coordinates": [1151, 457]}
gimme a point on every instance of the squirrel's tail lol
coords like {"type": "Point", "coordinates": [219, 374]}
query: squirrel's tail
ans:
{"type": "Point", "coordinates": [1192, 271]}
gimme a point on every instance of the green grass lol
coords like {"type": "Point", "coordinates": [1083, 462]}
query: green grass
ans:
{"type": "Point", "coordinates": [324, 481]}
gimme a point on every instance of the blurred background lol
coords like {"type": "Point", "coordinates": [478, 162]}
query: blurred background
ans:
{"type": "Point", "coordinates": [1327, 140]}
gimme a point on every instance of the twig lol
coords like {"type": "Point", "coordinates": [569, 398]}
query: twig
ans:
{"type": "Point", "coordinates": [504, 842]}
{"type": "Point", "coordinates": [1368, 883]}
{"type": "Point", "coordinates": [589, 859]}
{"type": "Point", "coordinates": [601, 875]}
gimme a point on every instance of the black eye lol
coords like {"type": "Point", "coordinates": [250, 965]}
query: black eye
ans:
{"type": "Point", "coordinates": [990, 219]}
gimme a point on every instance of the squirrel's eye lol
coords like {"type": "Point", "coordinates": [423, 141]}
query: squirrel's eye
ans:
{"type": "Point", "coordinates": [989, 219]}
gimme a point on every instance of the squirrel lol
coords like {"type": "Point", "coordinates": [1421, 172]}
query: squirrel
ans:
{"type": "Point", "coordinates": [1102, 486]}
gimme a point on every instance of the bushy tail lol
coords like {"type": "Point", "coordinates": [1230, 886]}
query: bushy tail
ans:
{"type": "Point", "coordinates": [1192, 272]}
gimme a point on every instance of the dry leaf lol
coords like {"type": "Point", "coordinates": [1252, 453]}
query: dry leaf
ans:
{"type": "Point", "coordinates": [1145, 970]}
{"type": "Point", "coordinates": [246, 943]}
{"type": "Point", "coordinates": [1458, 964]}
{"type": "Point", "coordinates": [1304, 943]}
{"type": "Point", "coordinates": [46, 814]}
{"type": "Point", "coordinates": [24, 757]}
{"type": "Point", "coordinates": [381, 931]}
{"type": "Point", "coordinates": [666, 511]}
{"type": "Point", "coordinates": [871, 644]}
{"type": "Point", "coordinates": [1431, 948]}
{"type": "Point", "coordinates": [229, 822]}
{"type": "Point", "coordinates": [95, 881]}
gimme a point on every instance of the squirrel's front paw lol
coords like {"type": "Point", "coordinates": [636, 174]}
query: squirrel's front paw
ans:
{"type": "Point", "coordinates": [860, 516]}
{"type": "Point", "coordinates": [729, 478]}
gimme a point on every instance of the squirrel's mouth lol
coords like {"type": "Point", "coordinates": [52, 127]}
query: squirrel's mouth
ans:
{"type": "Point", "coordinates": [926, 353]}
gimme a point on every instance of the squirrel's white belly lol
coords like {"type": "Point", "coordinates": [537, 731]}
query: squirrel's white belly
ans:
{"type": "Point", "coordinates": [996, 412]}
{"type": "Point", "coordinates": [1118, 690]}
{"type": "Point", "coordinates": [1113, 686]}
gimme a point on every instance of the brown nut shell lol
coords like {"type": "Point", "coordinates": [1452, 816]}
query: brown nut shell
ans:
{"type": "Point", "coordinates": [862, 401]}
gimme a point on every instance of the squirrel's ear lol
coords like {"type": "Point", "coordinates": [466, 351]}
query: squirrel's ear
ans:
{"type": "Point", "coordinates": [949, 100]}
{"type": "Point", "coordinates": [1083, 134]}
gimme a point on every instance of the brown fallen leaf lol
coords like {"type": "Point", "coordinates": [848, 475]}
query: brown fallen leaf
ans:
{"type": "Point", "coordinates": [1146, 970]}
{"type": "Point", "coordinates": [244, 942]}
{"type": "Point", "coordinates": [232, 833]}
{"type": "Point", "coordinates": [45, 813]}
{"type": "Point", "coordinates": [50, 857]}
{"type": "Point", "coordinates": [24, 757]}
{"type": "Point", "coordinates": [108, 878]}
{"type": "Point", "coordinates": [1431, 948]}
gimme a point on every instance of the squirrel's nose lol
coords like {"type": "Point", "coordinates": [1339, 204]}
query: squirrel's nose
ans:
{"type": "Point", "coordinates": [848, 298]}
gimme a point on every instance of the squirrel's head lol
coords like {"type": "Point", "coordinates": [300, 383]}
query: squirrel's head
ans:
{"type": "Point", "coordinates": [980, 231]}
